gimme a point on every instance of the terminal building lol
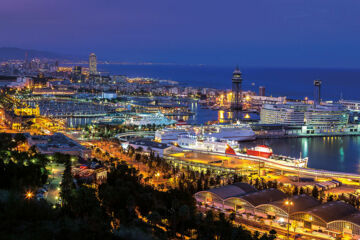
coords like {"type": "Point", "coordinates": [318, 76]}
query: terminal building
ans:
{"type": "Point", "coordinates": [332, 218]}
{"type": "Point", "coordinates": [288, 113]}
{"type": "Point", "coordinates": [300, 119]}
{"type": "Point", "coordinates": [57, 143]}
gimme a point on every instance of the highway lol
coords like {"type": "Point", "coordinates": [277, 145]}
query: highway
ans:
{"type": "Point", "coordinates": [311, 172]}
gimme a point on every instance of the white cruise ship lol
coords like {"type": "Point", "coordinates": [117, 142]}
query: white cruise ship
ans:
{"type": "Point", "coordinates": [211, 145]}
{"type": "Point", "coordinates": [150, 118]}
{"type": "Point", "coordinates": [232, 132]}
{"type": "Point", "coordinates": [169, 135]}
{"type": "Point", "coordinates": [193, 142]}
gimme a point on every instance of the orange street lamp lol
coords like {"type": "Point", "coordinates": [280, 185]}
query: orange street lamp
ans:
{"type": "Point", "coordinates": [29, 195]}
{"type": "Point", "coordinates": [288, 203]}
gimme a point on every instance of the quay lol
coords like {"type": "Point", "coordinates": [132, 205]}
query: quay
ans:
{"type": "Point", "coordinates": [241, 164]}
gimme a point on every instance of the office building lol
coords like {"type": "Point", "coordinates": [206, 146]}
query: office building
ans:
{"type": "Point", "coordinates": [287, 114]}
{"type": "Point", "coordinates": [76, 74]}
{"type": "Point", "coordinates": [92, 64]}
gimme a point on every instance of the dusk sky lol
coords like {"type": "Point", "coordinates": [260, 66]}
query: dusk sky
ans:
{"type": "Point", "coordinates": [266, 33]}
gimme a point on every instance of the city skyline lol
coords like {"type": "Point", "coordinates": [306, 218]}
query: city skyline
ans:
{"type": "Point", "coordinates": [128, 120]}
{"type": "Point", "coordinates": [296, 34]}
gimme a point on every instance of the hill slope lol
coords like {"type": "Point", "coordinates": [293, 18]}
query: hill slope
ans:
{"type": "Point", "coordinates": [7, 53]}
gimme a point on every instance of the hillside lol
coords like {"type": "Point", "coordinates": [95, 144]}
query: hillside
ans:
{"type": "Point", "coordinates": [7, 53]}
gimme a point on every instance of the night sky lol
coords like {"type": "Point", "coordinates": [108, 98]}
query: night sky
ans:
{"type": "Point", "coordinates": [266, 33]}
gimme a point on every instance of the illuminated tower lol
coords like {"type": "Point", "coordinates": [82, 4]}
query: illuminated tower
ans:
{"type": "Point", "coordinates": [92, 64]}
{"type": "Point", "coordinates": [317, 92]}
{"type": "Point", "coordinates": [236, 101]}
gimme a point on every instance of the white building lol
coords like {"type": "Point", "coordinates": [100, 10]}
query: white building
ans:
{"type": "Point", "coordinates": [326, 115]}
{"type": "Point", "coordinates": [351, 105]}
{"type": "Point", "coordinates": [109, 95]}
{"type": "Point", "coordinates": [288, 114]}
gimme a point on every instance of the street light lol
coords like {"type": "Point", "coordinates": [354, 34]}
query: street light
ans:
{"type": "Point", "coordinates": [288, 203]}
{"type": "Point", "coordinates": [29, 195]}
{"type": "Point", "coordinates": [157, 175]}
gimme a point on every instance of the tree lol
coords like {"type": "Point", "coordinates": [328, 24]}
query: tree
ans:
{"type": "Point", "coordinates": [232, 217]}
{"type": "Point", "coordinates": [154, 218]}
{"type": "Point", "coordinates": [315, 192]}
{"type": "Point", "coordinates": [295, 191]}
{"type": "Point", "coordinates": [67, 184]}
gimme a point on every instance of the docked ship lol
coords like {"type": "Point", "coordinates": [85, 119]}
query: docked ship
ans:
{"type": "Point", "coordinates": [193, 142]}
{"type": "Point", "coordinates": [232, 132]}
{"type": "Point", "coordinates": [110, 120]}
{"type": "Point", "coordinates": [169, 135]}
{"type": "Point", "coordinates": [149, 119]}
{"type": "Point", "coordinates": [220, 133]}
{"type": "Point", "coordinates": [266, 154]}
{"type": "Point", "coordinates": [262, 152]}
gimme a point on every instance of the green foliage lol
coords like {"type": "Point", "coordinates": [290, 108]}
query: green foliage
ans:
{"type": "Point", "coordinates": [20, 170]}
{"type": "Point", "coordinates": [32, 219]}
{"type": "Point", "coordinates": [127, 198]}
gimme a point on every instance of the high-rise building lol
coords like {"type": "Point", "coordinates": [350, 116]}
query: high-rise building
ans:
{"type": "Point", "coordinates": [261, 91]}
{"type": "Point", "coordinates": [76, 74]}
{"type": "Point", "coordinates": [236, 101]}
{"type": "Point", "coordinates": [92, 64]}
{"type": "Point", "coordinates": [77, 70]}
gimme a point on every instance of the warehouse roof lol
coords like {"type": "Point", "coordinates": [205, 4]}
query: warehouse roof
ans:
{"type": "Point", "coordinates": [353, 218]}
{"type": "Point", "coordinates": [264, 196]}
{"type": "Point", "coordinates": [237, 189]}
{"type": "Point", "coordinates": [332, 211]}
{"type": "Point", "coordinates": [300, 203]}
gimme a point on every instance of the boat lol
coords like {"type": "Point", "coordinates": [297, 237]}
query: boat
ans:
{"type": "Point", "coordinates": [194, 142]}
{"type": "Point", "coordinates": [181, 123]}
{"type": "Point", "coordinates": [260, 151]}
{"type": "Point", "coordinates": [233, 132]}
{"type": "Point", "coordinates": [169, 135]}
{"type": "Point", "coordinates": [111, 120]}
{"type": "Point", "coordinates": [149, 119]}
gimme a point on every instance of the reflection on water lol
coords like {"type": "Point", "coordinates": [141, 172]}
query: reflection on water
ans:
{"type": "Point", "coordinates": [75, 122]}
{"type": "Point", "coordinates": [329, 153]}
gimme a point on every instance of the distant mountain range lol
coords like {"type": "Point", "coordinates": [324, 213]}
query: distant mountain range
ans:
{"type": "Point", "coordinates": [7, 53]}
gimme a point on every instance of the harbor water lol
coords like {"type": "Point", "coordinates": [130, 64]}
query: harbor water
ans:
{"type": "Point", "coordinates": [329, 153]}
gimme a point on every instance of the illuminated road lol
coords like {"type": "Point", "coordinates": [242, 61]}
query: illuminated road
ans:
{"type": "Point", "coordinates": [237, 161]}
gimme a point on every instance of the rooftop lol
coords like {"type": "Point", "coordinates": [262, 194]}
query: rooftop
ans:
{"type": "Point", "coordinates": [332, 211]}
{"type": "Point", "coordinates": [301, 203]}
{"type": "Point", "coordinates": [148, 143]}
{"type": "Point", "coordinates": [228, 191]}
{"type": "Point", "coordinates": [353, 218]}
{"type": "Point", "coordinates": [264, 196]}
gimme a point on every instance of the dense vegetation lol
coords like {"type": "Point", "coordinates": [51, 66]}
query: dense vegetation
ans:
{"type": "Point", "coordinates": [122, 208]}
